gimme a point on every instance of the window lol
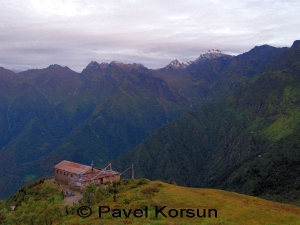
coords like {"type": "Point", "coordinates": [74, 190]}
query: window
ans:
{"type": "Point", "coordinates": [57, 171]}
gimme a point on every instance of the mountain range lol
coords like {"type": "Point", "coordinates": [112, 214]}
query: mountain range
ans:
{"type": "Point", "coordinates": [221, 121]}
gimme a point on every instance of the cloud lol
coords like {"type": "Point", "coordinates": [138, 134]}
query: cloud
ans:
{"type": "Point", "coordinates": [35, 34]}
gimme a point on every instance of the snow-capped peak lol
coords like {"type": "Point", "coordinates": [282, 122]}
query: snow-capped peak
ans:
{"type": "Point", "coordinates": [178, 64]}
{"type": "Point", "coordinates": [211, 54]}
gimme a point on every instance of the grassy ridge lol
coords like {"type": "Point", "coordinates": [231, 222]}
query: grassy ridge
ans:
{"type": "Point", "coordinates": [231, 208]}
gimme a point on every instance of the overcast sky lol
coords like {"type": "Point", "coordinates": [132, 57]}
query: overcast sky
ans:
{"type": "Point", "coordinates": [35, 34]}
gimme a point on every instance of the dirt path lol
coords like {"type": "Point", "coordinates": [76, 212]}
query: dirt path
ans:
{"type": "Point", "coordinates": [68, 200]}
{"type": "Point", "coordinates": [73, 199]}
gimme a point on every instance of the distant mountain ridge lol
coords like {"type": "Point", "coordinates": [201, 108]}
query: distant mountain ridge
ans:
{"type": "Point", "coordinates": [176, 64]}
{"type": "Point", "coordinates": [51, 114]}
{"type": "Point", "coordinates": [56, 113]}
{"type": "Point", "coordinates": [211, 54]}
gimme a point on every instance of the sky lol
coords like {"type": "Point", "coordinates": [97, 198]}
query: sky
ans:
{"type": "Point", "coordinates": [36, 34]}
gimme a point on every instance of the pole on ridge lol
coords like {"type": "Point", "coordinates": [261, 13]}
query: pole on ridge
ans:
{"type": "Point", "coordinates": [132, 172]}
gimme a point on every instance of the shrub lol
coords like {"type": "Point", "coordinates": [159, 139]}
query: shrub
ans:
{"type": "Point", "coordinates": [150, 190]}
{"type": "Point", "coordinates": [143, 181]}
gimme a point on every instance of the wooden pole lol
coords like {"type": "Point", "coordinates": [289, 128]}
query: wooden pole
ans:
{"type": "Point", "coordinates": [132, 172]}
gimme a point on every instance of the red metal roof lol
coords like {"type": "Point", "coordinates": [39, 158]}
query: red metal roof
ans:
{"type": "Point", "coordinates": [72, 167]}
{"type": "Point", "coordinates": [96, 174]}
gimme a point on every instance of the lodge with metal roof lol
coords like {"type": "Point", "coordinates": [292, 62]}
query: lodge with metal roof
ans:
{"type": "Point", "coordinates": [77, 176]}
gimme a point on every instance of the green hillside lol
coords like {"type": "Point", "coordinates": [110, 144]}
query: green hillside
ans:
{"type": "Point", "coordinates": [153, 202]}
{"type": "Point", "coordinates": [246, 142]}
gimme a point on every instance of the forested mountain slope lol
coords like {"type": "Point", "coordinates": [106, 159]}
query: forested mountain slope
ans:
{"type": "Point", "coordinates": [246, 142]}
{"type": "Point", "coordinates": [56, 114]}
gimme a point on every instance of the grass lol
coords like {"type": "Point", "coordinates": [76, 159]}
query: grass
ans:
{"type": "Point", "coordinates": [240, 209]}
{"type": "Point", "coordinates": [284, 125]}
{"type": "Point", "coordinates": [232, 208]}
{"type": "Point", "coordinates": [288, 121]}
